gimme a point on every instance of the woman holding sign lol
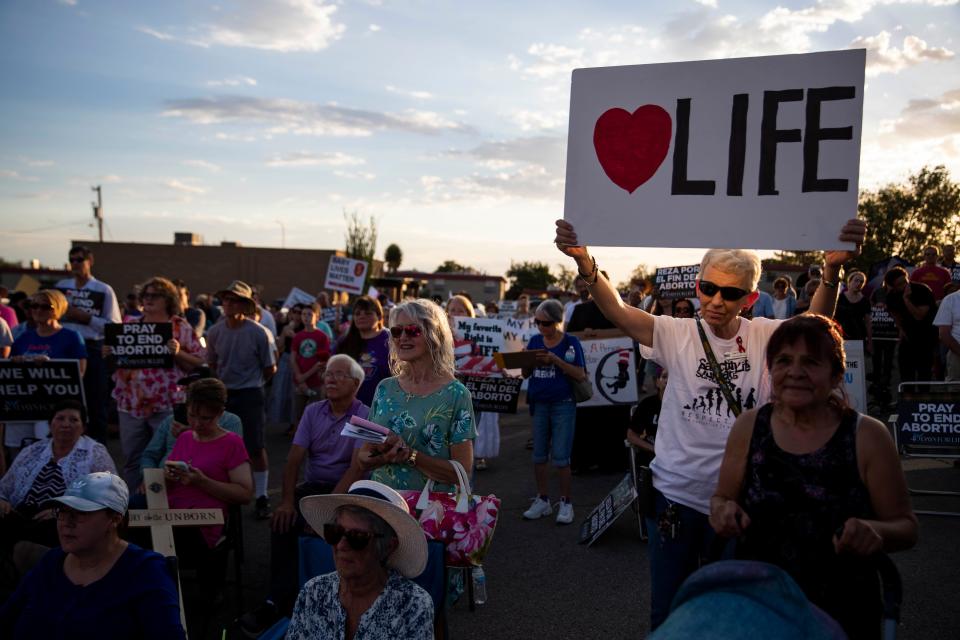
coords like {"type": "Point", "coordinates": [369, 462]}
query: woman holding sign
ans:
{"type": "Point", "coordinates": [47, 339]}
{"type": "Point", "coordinates": [810, 485]}
{"type": "Point", "coordinates": [146, 397]}
{"type": "Point", "coordinates": [559, 360]}
{"type": "Point", "coordinates": [716, 364]}
{"type": "Point", "coordinates": [488, 423]}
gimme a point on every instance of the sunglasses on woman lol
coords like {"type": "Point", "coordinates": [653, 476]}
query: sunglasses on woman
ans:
{"type": "Point", "coordinates": [358, 540]}
{"type": "Point", "coordinates": [40, 306]}
{"type": "Point", "coordinates": [730, 294]}
{"type": "Point", "coordinates": [543, 323]}
{"type": "Point", "coordinates": [409, 330]}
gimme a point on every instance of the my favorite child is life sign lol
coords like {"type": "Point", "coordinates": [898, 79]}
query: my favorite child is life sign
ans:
{"type": "Point", "coordinates": [759, 153]}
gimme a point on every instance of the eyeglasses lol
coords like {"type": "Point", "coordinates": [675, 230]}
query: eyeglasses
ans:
{"type": "Point", "coordinates": [337, 375]}
{"type": "Point", "coordinates": [543, 323]}
{"type": "Point", "coordinates": [730, 294]}
{"type": "Point", "coordinates": [358, 540]}
{"type": "Point", "coordinates": [76, 259]}
{"type": "Point", "coordinates": [150, 295]}
{"type": "Point", "coordinates": [409, 330]}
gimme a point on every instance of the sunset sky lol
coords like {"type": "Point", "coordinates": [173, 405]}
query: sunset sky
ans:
{"type": "Point", "coordinates": [445, 121]}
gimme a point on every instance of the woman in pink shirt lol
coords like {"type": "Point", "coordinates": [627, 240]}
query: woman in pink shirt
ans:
{"type": "Point", "coordinates": [208, 468]}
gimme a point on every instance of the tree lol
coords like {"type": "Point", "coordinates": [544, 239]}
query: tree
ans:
{"type": "Point", "coordinates": [801, 258]}
{"type": "Point", "coordinates": [528, 275]}
{"type": "Point", "coordinates": [565, 278]}
{"type": "Point", "coordinates": [902, 219]}
{"type": "Point", "coordinates": [640, 273]}
{"type": "Point", "coordinates": [360, 238]}
{"type": "Point", "coordinates": [393, 256]}
{"type": "Point", "coordinates": [451, 266]}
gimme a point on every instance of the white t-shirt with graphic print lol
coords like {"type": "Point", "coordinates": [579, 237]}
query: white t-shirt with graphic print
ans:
{"type": "Point", "coordinates": [695, 418]}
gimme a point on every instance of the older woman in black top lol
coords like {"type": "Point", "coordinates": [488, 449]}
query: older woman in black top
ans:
{"type": "Point", "coordinates": [812, 486]}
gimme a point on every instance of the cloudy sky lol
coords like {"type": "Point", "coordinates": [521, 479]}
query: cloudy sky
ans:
{"type": "Point", "coordinates": [242, 120]}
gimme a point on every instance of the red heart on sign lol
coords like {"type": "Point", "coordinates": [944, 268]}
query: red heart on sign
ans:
{"type": "Point", "coordinates": [631, 147]}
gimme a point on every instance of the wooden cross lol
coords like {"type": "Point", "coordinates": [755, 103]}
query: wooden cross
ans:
{"type": "Point", "coordinates": [161, 520]}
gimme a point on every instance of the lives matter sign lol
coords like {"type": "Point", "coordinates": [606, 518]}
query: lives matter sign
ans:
{"type": "Point", "coordinates": [31, 390]}
{"type": "Point", "coordinates": [140, 345]}
{"type": "Point", "coordinates": [346, 274]}
{"type": "Point", "coordinates": [760, 153]}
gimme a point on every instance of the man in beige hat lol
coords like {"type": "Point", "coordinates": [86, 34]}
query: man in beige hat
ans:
{"type": "Point", "coordinates": [242, 353]}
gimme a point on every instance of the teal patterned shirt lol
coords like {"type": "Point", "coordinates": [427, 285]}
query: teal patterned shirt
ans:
{"type": "Point", "coordinates": [429, 424]}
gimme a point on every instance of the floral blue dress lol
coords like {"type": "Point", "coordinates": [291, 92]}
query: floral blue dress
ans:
{"type": "Point", "coordinates": [428, 424]}
{"type": "Point", "coordinates": [403, 610]}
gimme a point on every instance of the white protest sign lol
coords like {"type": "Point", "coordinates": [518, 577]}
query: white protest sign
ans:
{"type": "Point", "coordinates": [346, 274]}
{"type": "Point", "coordinates": [297, 296]}
{"type": "Point", "coordinates": [854, 378]}
{"type": "Point", "coordinates": [759, 153]}
{"type": "Point", "coordinates": [612, 370]}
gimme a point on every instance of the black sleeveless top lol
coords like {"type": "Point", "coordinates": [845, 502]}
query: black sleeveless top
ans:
{"type": "Point", "coordinates": [796, 503]}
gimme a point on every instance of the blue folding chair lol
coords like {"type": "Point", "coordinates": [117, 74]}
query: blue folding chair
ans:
{"type": "Point", "coordinates": [316, 559]}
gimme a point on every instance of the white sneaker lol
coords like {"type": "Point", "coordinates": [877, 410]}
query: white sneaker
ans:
{"type": "Point", "coordinates": [538, 509]}
{"type": "Point", "coordinates": [565, 513]}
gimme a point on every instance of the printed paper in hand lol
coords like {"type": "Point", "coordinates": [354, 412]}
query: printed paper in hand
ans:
{"type": "Point", "coordinates": [365, 430]}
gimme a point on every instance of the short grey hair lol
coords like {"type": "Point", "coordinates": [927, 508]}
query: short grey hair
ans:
{"type": "Point", "coordinates": [356, 371]}
{"type": "Point", "coordinates": [382, 531]}
{"type": "Point", "coordinates": [740, 262]}
{"type": "Point", "coordinates": [552, 309]}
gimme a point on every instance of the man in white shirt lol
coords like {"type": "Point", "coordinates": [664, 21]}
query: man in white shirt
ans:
{"type": "Point", "coordinates": [583, 293]}
{"type": "Point", "coordinates": [947, 322]}
{"type": "Point", "coordinates": [93, 305]}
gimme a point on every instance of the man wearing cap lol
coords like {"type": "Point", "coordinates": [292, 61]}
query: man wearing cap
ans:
{"type": "Point", "coordinates": [242, 353]}
{"type": "Point", "coordinates": [93, 305]}
{"type": "Point", "coordinates": [377, 548]}
{"type": "Point", "coordinates": [94, 585]}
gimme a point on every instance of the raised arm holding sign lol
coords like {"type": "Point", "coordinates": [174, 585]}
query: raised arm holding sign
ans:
{"type": "Point", "coordinates": [717, 361]}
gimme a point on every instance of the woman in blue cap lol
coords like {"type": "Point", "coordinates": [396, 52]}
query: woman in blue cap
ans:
{"type": "Point", "coordinates": [94, 585]}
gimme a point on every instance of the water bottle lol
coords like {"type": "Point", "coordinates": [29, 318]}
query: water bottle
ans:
{"type": "Point", "coordinates": [570, 356]}
{"type": "Point", "coordinates": [479, 586]}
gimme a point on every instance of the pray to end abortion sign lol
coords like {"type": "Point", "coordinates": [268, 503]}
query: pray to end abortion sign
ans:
{"type": "Point", "coordinates": [758, 153]}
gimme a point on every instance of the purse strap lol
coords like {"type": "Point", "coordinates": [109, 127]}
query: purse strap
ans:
{"type": "Point", "coordinates": [717, 373]}
{"type": "Point", "coordinates": [463, 490]}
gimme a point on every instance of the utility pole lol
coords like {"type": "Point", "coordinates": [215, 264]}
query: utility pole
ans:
{"type": "Point", "coordinates": [98, 211]}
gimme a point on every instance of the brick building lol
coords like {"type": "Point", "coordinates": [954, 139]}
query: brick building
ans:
{"type": "Point", "coordinates": [207, 268]}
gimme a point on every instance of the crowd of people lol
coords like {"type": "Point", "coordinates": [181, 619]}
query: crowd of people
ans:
{"type": "Point", "coordinates": [748, 437]}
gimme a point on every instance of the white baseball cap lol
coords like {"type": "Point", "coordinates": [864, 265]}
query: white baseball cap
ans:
{"type": "Point", "coordinates": [95, 491]}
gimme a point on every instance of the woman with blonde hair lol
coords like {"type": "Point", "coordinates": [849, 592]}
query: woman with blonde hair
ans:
{"type": "Point", "coordinates": [429, 411]}
{"type": "Point", "coordinates": [47, 339]}
{"type": "Point", "coordinates": [146, 397]}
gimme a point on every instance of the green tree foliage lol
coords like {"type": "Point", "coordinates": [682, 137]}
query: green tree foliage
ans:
{"type": "Point", "coordinates": [902, 219]}
{"type": "Point", "coordinates": [393, 256]}
{"type": "Point", "coordinates": [452, 266]}
{"type": "Point", "coordinates": [640, 273]}
{"type": "Point", "coordinates": [565, 277]}
{"type": "Point", "coordinates": [360, 238]}
{"type": "Point", "coordinates": [528, 275]}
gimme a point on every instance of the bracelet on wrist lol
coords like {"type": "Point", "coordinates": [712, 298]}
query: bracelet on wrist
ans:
{"type": "Point", "coordinates": [589, 278]}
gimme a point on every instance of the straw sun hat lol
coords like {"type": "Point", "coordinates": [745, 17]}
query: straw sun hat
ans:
{"type": "Point", "coordinates": [410, 556]}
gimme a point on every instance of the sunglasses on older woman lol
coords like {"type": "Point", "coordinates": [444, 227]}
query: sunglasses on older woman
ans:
{"type": "Point", "coordinates": [409, 330]}
{"type": "Point", "coordinates": [358, 540]}
{"type": "Point", "coordinates": [730, 294]}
